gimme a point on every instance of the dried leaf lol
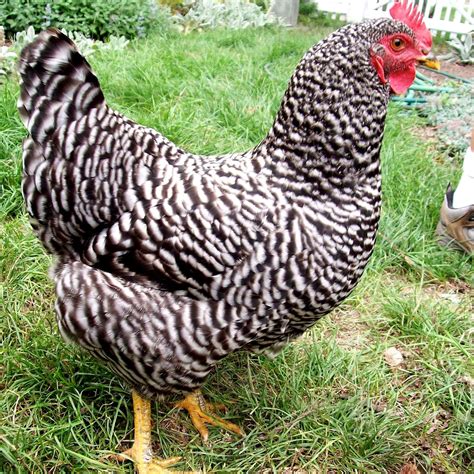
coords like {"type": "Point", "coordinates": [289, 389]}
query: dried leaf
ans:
{"type": "Point", "coordinates": [393, 357]}
{"type": "Point", "coordinates": [409, 469]}
{"type": "Point", "coordinates": [467, 380]}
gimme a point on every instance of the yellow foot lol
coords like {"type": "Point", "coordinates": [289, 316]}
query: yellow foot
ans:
{"type": "Point", "coordinates": [145, 463]}
{"type": "Point", "coordinates": [141, 453]}
{"type": "Point", "coordinates": [202, 412]}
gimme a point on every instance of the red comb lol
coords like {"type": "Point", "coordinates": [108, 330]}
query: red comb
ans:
{"type": "Point", "coordinates": [409, 14]}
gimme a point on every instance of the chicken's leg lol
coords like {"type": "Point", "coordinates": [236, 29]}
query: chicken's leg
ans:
{"type": "Point", "coordinates": [202, 412]}
{"type": "Point", "coordinates": [140, 453]}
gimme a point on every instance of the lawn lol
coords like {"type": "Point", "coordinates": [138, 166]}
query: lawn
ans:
{"type": "Point", "coordinates": [329, 402]}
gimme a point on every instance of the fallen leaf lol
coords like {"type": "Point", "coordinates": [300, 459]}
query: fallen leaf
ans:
{"type": "Point", "coordinates": [409, 469]}
{"type": "Point", "coordinates": [453, 297]}
{"type": "Point", "coordinates": [393, 357]}
{"type": "Point", "coordinates": [467, 380]}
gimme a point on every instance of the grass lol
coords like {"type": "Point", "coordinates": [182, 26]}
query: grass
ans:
{"type": "Point", "coordinates": [329, 402]}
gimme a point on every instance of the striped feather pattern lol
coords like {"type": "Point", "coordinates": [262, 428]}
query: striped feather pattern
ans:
{"type": "Point", "coordinates": [169, 261]}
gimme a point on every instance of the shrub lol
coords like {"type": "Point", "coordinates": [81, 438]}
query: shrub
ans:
{"type": "Point", "coordinates": [9, 54]}
{"type": "Point", "coordinates": [233, 14]}
{"type": "Point", "coordinates": [96, 19]}
{"type": "Point", "coordinates": [310, 15]}
{"type": "Point", "coordinates": [461, 51]}
{"type": "Point", "coordinates": [451, 113]}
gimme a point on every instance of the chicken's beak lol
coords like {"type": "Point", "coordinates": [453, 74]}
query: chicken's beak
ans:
{"type": "Point", "coordinates": [430, 61]}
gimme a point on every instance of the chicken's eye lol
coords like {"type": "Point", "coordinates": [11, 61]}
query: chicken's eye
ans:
{"type": "Point", "coordinates": [397, 44]}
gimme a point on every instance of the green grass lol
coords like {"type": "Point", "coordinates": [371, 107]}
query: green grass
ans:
{"type": "Point", "coordinates": [329, 402]}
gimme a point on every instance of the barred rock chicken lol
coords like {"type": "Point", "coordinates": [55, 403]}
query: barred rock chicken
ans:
{"type": "Point", "coordinates": [168, 261]}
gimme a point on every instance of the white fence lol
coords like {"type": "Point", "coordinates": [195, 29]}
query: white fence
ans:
{"type": "Point", "coordinates": [446, 17]}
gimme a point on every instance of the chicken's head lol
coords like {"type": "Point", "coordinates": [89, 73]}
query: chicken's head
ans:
{"type": "Point", "coordinates": [395, 55]}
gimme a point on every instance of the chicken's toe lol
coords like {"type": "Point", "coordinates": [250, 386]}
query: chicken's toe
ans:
{"type": "Point", "coordinates": [202, 413]}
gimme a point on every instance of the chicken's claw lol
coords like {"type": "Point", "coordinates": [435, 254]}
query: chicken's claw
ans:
{"type": "Point", "coordinates": [202, 412]}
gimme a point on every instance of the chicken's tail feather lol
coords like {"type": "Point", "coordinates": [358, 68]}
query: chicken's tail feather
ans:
{"type": "Point", "coordinates": [57, 84]}
{"type": "Point", "coordinates": [57, 89]}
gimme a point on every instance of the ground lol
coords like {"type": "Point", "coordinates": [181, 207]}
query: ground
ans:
{"type": "Point", "coordinates": [449, 115]}
{"type": "Point", "coordinates": [330, 402]}
{"type": "Point", "coordinates": [466, 71]}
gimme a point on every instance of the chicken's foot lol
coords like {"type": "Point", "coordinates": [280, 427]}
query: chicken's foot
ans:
{"type": "Point", "coordinates": [202, 412]}
{"type": "Point", "coordinates": [141, 453]}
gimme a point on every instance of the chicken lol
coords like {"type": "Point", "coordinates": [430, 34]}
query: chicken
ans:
{"type": "Point", "coordinates": [168, 261]}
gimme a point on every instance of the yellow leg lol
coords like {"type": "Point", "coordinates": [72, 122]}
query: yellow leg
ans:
{"type": "Point", "coordinates": [202, 412]}
{"type": "Point", "coordinates": [140, 453]}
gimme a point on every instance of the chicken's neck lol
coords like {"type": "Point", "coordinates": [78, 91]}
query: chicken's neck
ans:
{"type": "Point", "coordinates": [329, 128]}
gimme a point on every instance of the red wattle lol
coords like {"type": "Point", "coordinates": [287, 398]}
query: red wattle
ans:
{"type": "Point", "coordinates": [401, 80]}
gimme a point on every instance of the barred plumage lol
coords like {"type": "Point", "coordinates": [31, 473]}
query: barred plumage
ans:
{"type": "Point", "coordinates": [169, 261]}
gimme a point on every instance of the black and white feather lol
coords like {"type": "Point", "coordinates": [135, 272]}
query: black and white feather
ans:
{"type": "Point", "coordinates": [169, 261]}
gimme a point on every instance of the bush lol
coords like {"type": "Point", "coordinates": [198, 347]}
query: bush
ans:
{"type": "Point", "coordinates": [451, 114]}
{"type": "Point", "coordinates": [96, 19]}
{"type": "Point", "coordinates": [9, 54]}
{"type": "Point", "coordinates": [233, 14]}
{"type": "Point", "coordinates": [310, 15]}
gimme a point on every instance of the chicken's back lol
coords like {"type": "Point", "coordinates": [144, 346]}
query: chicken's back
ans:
{"type": "Point", "coordinates": [82, 161]}
{"type": "Point", "coordinates": [118, 196]}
